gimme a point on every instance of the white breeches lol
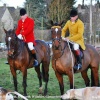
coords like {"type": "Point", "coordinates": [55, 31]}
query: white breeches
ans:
{"type": "Point", "coordinates": [75, 46]}
{"type": "Point", "coordinates": [30, 45]}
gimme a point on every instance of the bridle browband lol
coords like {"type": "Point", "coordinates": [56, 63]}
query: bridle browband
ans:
{"type": "Point", "coordinates": [56, 27]}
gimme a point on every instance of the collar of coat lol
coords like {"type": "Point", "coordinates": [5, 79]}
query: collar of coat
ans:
{"type": "Point", "coordinates": [75, 20]}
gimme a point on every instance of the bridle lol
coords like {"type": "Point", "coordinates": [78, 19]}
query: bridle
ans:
{"type": "Point", "coordinates": [59, 39]}
{"type": "Point", "coordinates": [11, 49]}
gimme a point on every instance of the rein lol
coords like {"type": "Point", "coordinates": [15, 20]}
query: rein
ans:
{"type": "Point", "coordinates": [62, 51]}
{"type": "Point", "coordinates": [72, 62]}
{"type": "Point", "coordinates": [19, 49]}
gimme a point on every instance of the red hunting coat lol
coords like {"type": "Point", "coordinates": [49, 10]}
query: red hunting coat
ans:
{"type": "Point", "coordinates": [26, 28]}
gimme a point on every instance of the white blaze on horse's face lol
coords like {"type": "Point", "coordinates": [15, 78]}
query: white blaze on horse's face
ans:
{"type": "Point", "coordinates": [9, 38]}
{"type": "Point", "coordinates": [56, 29]}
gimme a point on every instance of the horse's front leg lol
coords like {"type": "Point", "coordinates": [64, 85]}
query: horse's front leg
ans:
{"type": "Point", "coordinates": [13, 71]}
{"type": "Point", "coordinates": [70, 76]}
{"type": "Point", "coordinates": [60, 80]}
{"type": "Point", "coordinates": [24, 71]}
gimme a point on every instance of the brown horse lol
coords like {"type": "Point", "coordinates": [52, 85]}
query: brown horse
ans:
{"type": "Point", "coordinates": [63, 56]}
{"type": "Point", "coordinates": [20, 58]}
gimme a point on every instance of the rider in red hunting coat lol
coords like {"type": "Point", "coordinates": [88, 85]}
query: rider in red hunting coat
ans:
{"type": "Point", "coordinates": [25, 28]}
{"type": "Point", "coordinates": [25, 32]}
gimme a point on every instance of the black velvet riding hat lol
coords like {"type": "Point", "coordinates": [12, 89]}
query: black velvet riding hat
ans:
{"type": "Point", "coordinates": [22, 12]}
{"type": "Point", "coordinates": [73, 13]}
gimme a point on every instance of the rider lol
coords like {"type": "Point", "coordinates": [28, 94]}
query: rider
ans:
{"type": "Point", "coordinates": [76, 30]}
{"type": "Point", "coordinates": [25, 32]}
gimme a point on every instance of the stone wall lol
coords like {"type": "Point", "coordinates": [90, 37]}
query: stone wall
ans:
{"type": "Point", "coordinates": [43, 34]}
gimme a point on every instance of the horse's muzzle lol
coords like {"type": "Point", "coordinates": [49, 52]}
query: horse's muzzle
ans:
{"type": "Point", "coordinates": [56, 47]}
{"type": "Point", "coordinates": [10, 53]}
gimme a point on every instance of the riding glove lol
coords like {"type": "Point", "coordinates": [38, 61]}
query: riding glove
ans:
{"type": "Point", "coordinates": [20, 37]}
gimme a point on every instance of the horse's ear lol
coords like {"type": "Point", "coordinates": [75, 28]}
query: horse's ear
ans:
{"type": "Point", "coordinates": [61, 23]}
{"type": "Point", "coordinates": [15, 27]}
{"type": "Point", "coordinates": [4, 30]}
{"type": "Point", "coordinates": [51, 22]}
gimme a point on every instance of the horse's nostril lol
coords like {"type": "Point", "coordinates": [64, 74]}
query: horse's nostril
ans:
{"type": "Point", "coordinates": [56, 47]}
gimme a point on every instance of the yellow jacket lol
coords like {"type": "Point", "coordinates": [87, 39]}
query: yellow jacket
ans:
{"type": "Point", "coordinates": [76, 31]}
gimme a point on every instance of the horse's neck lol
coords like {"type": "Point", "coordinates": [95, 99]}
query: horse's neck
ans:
{"type": "Point", "coordinates": [59, 52]}
{"type": "Point", "coordinates": [20, 45]}
{"type": "Point", "coordinates": [64, 45]}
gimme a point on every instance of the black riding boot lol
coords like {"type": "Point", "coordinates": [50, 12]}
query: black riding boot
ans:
{"type": "Point", "coordinates": [35, 64]}
{"type": "Point", "coordinates": [6, 62]}
{"type": "Point", "coordinates": [78, 66]}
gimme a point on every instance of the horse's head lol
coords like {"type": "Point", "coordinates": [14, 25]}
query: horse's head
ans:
{"type": "Point", "coordinates": [56, 34]}
{"type": "Point", "coordinates": [10, 40]}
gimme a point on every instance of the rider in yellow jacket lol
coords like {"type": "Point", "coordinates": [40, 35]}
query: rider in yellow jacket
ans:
{"type": "Point", "coordinates": [76, 30]}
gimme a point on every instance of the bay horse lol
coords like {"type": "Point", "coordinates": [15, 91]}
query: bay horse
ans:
{"type": "Point", "coordinates": [20, 58]}
{"type": "Point", "coordinates": [62, 60]}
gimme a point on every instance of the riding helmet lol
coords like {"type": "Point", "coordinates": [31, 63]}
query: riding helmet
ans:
{"type": "Point", "coordinates": [73, 13]}
{"type": "Point", "coordinates": [22, 11]}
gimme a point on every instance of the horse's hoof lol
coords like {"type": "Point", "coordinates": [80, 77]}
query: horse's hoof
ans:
{"type": "Point", "coordinates": [40, 90]}
{"type": "Point", "coordinates": [45, 92]}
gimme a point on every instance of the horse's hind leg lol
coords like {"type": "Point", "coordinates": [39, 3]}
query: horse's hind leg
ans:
{"type": "Point", "coordinates": [45, 73]}
{"type": "Point", "coordinates": [24, 81]}
{"type": "Point", "coordinates": [85, 77]}
{"type": "Point", "coordinates": [94, 76]}
{"type": "Point", "coordinates": [37, 69]}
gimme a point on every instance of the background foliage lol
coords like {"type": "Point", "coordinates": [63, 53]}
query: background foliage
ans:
{"type": "Point", "coordinates": [44, 10]}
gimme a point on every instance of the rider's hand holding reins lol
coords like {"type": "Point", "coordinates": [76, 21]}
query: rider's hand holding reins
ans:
{"type": "Point", "coordinates": [65, 39]}
{"type": "Point", "coordinates": [20, 37]}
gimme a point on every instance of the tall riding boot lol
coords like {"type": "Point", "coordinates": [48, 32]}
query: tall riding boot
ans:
{"type": "Point", "coordinates": [78, 66]}
{"type": "Point", "coordinates": [35, 64]}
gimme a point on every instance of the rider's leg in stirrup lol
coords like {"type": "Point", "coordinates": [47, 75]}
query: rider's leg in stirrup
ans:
{"type": "Point", "coordinates": [32, 49]}
{"type": "Point", "coordinates": [78, 66]}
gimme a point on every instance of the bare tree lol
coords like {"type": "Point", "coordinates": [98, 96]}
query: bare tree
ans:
{"type": "Point", "coordinates": [59, 10]}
